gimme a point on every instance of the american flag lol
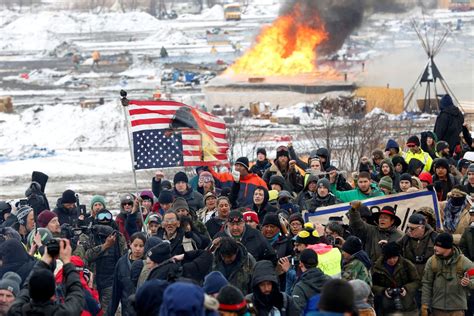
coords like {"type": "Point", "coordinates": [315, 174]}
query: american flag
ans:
{"type": "Point", "coordinates": [172, 134]}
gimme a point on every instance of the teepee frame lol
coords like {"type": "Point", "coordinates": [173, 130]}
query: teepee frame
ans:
{"type": "Point", "coordinates": [430, 75]}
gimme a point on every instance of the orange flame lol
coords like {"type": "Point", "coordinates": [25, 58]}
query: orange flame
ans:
{"type": "Point", "coordinates": [286, 47]}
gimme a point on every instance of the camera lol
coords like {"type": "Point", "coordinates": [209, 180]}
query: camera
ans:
{"type": "Point", "coordinates": [420, 259]}
{"type": "Point", "coordinates": [53, 247]}
{"type": "Point", "coordinates": [396, 297]}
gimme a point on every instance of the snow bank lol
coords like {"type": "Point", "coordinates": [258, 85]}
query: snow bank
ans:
{"type": "Point", "coordinates": [170, 37]}
{"type": "Point", "coordinates": [214, 13]}
{"type": "Point", "coordinates": [63, 127]}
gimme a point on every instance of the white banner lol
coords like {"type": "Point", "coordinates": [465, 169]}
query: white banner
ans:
{"type": "Point", "coordinates": [405, 205]}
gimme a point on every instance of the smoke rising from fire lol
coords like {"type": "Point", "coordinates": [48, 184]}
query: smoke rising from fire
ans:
{"type": "Point", "coordinates": [342, 17]}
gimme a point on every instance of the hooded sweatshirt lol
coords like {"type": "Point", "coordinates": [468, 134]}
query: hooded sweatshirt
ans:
{"type": "Point", "coordinates": [264, 208]}
{"type": "Point", "coordinates": [265, 304]}
{"type": "Point", "coordinates": [15, 258]}
{"type": "Point", "coordinates": [449, 122]}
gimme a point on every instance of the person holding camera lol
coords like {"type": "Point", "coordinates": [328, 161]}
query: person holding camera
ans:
{"type": "Point", "coordinates": [102, 248]}
{"type": "Point", "coordinates": [38, 297]}
{"type": "Point", "coordinates": [395, 282]}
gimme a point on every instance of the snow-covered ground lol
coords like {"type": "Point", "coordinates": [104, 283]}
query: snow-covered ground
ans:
{"type": "Point", "coordinates": [48, 128]}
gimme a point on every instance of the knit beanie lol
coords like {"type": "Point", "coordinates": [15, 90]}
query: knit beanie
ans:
{"type": "Point", "coordinates": [160, 252]}
{"type": "Point", "coordinates": [413, 140]}
{"type": "Point", "coordinates": [147, 195]}
{"type": "Point", "coordinates": [390, 250]}
{"type": "Point", "coordinates": [386, 183]}
{"type": "Point", "coordinates": [45, 217]}
{"type": "Point", "coordinates": [69, 196]}
{"type": "Point", "coordinates": [166, 197]}
{"type": "Point", "coordinates": [180, 177]}
{"type": "Point", "coordinates": [441, 145]}
{"type": "Point", "coordinates": [308, 236]}
{"type": "Point", "coordinates": [251, 216]}
{"type": "Point", "coordinates": [470, 168]}
{"type": "Point", "coordinates": [214, 282]}
{"type": "Point", "coordinates": [231, 299]}
{"type": "Point", "coordinates": [282, 151]}
{"type": "Point", "coordinates": [324, 183]}
{"type": "Point", "coordinates": [309, 257]}
{"type": "Point", "coordinates": [361, 291]}
{"type": "Point", "coordinates": [41, 285]}
{"type": "Point", "coordinates": [441, 163]}
{"type": "Point", "coordinates": [243, 161]}
{"type": "Point", "coordinates": [11, 282]}
{"type": "Point", "coordinates": [417, 219]}
{"type": "Point", "coordinates": [296, 217]}
{"type": "Point", "coordinates": [100, 199]}
{"type": "Point", "coordinates": [426, 177]}
{"type": "Point", "coordinates": [271, 219]}
{"type": "Point", "coordinates": [405, 177]}
{"type": "Point", "coordinates": [444, 240]}
{"type": "Point", "coordinates": [126, 198]}
{"type": "Point", "coordinates": [352, 245]}
{"type": "Point", "coordinates": [22, 214]}
{"type": "Point", "coordinates": [180, 204]}
{"type": "Point", "coordinates": [206, 176]}
{"type": "Point", "coordinates": [262, 151]}
{"type": "Point", "coordinates": [337, 296]}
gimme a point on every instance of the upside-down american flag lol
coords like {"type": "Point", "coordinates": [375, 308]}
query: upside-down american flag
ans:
{"type": "Point", "coordinates": [172, 134]}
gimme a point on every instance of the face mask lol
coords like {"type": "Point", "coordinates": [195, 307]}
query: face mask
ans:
{"type": "Point", "coordinates": [458, 201]}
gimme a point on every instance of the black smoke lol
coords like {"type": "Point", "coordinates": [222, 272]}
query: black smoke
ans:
{"type": "Point", "coordinates": [342, 17]}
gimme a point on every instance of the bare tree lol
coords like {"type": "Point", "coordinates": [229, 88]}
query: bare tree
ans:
{"type": "Point", "coordinates": [243, 138]}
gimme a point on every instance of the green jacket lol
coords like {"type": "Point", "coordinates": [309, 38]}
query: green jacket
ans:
{"type": "Point", "coordinates": [371, 235]}
{"type": "Point", "coordinates": [356, 270]}
{"type": "Point", "coordinates": [356, 194]}
{"type": "Point", "coordinates": [422, 248]}
{"type": "Point", "coordinates": [441, 288]}
{"type": "Point", "coordinates": [467, 243]}
{"type": "Point", "coordinates": [404, 275]}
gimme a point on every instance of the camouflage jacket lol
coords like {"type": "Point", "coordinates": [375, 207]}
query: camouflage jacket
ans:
{"type": "Point", "coordinates": [356, 270]}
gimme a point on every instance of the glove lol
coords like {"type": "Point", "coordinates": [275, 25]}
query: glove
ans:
{"type": "Point", "coordinates": [424, 310]}
{"type": "Point", "coordinates": [356, 204]}
{"type": "Point", "coordinates": [236, 175]}
{"type": "Point", "coordinates": [430, 187]}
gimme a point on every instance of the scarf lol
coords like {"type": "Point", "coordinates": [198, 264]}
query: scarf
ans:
{"type": "Point", "coordinates": [452, 215]}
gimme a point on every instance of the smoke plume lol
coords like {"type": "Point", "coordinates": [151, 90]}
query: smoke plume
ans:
{"type": "Point", "coordinates": [342, 17]}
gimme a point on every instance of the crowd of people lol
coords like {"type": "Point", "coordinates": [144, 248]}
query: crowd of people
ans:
{"type": "Point", "coordinates": [238, 242]}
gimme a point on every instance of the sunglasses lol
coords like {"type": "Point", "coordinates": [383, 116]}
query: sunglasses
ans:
{"type": "Point", "coordinates": [104, 216]}
{"type": "Point", "coordinates": [128, 203]}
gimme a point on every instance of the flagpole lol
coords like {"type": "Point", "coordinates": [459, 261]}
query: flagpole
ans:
{"type": "Point", "coordinates": [125, 103]}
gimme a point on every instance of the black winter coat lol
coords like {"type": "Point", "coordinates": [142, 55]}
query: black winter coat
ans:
{"type": "Point", "coordinates": [122, 287]}
{"type": "Point", "coordinates": [66, 216]}
{"type": "Point", "coordinates": [176, 243]}
{"type": "Point", "coordinates": [15, 259]}
{"type": "Point", "coordinates": [195, 265]}
{"type": "Point", "coordinates": [254, 242]}
{"type": "Point", "coordinates": [72, 306]}
{"type": "Point", "coordinates": [260, 167]}
{"type": "Point", "coordinates": [195, 199]}
{"type": "Point", "coordinates": [448, 125]}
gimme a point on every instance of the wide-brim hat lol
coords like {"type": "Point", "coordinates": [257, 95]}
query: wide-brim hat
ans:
{"type": "Point", "coordinates": [389, 211]}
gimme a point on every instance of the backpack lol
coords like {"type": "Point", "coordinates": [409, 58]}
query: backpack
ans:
{"type": "Point", "coordinates": [459, 269]}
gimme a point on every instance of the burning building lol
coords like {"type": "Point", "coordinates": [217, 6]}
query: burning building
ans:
{"type": "Point", "coordinates": [282, 65]}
